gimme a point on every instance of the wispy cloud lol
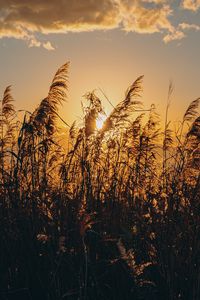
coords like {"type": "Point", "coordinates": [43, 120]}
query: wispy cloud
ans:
{"type": "Point", "coordinates": [174, 36]}
{"type": "Point", "coordinates": [191, 4]}
{"type": "Point", "coordinates": [186, 26]}
{"type": "Point", "coordinates": [48, 46]}
{"type": "Point", "coordinates": [136, 17]}
{"type": "Point", "coordinates": [23, 19]}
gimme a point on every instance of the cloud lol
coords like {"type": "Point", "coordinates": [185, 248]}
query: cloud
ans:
{"type": "Point", "coordinates": [48, 46]}
{"type": "Point", "coordinates": [139, 18]}
{"type": "Point", "coordinates": [33, 42]}
{"type": "Point", "coordinates": [175, 35]}
{"type": "Point", "coordinates": [191, 4]}
{"type": "Point", "coordinates": [145, 19]}
{"type": "Point", "coordinates": [186, 26]}
{"type": "Point", "coordinates": [60, 16]}
{"type": "Point", "coordinates": [25, 19]}
{"type": "Point", "coordinates": [22, 19]}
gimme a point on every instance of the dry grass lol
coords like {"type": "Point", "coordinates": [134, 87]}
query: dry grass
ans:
{"type": "Point", "coordinates": [113, 215]}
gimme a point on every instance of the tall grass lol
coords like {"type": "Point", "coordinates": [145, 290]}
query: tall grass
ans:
{"type": "Point", "coordinates": [112, 214]}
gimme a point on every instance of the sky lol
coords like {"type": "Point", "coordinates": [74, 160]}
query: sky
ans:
{"type": "Point", "coordinates": [109, 43]}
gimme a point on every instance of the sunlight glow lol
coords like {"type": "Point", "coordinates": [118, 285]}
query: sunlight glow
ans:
{"type": "Point", "coordinates": [100, 121]}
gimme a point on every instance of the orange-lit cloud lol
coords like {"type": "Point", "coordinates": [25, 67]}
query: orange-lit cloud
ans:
{"type": "Point", "coordinates": [23, 19]}
{"type": "Point", "coordinates": [20, 19]}
{"type": "Point", "coordinates": [174, 35]}
{"type": "Point", "coordinates": [186, 26]}
{"type": "Point", "coordinates": [139, 18]}
{"type": "Point", "coordinates": [191, 4]}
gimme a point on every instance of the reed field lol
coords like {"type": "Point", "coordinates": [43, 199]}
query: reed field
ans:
{"type": "Point", "coordinates": [109, 213]}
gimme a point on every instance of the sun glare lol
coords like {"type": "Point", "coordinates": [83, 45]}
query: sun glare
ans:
{"type": "Point", "coordinates": [100, 121]}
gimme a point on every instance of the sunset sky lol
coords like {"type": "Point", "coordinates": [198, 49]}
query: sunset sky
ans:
{"type": "Point", "coordinates": [109, 43]}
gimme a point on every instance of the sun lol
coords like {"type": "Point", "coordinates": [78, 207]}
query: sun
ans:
{"type": "Point", "coordinates": [100, 121]}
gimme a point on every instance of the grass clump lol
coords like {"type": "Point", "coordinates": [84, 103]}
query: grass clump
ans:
{"type": "Point", "coordinates": [112, 214]}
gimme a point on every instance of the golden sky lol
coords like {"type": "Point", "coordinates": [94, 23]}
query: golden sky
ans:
{"type": "Point", "coordinates": [109, 44]}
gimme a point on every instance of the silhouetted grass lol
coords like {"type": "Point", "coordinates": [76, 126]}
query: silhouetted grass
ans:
{"type": "Point", "coordinates": [112, 214]}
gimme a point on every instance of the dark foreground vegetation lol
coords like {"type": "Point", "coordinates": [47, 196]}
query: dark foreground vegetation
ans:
{"type": "Point", "coordinates": [111, 214]}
